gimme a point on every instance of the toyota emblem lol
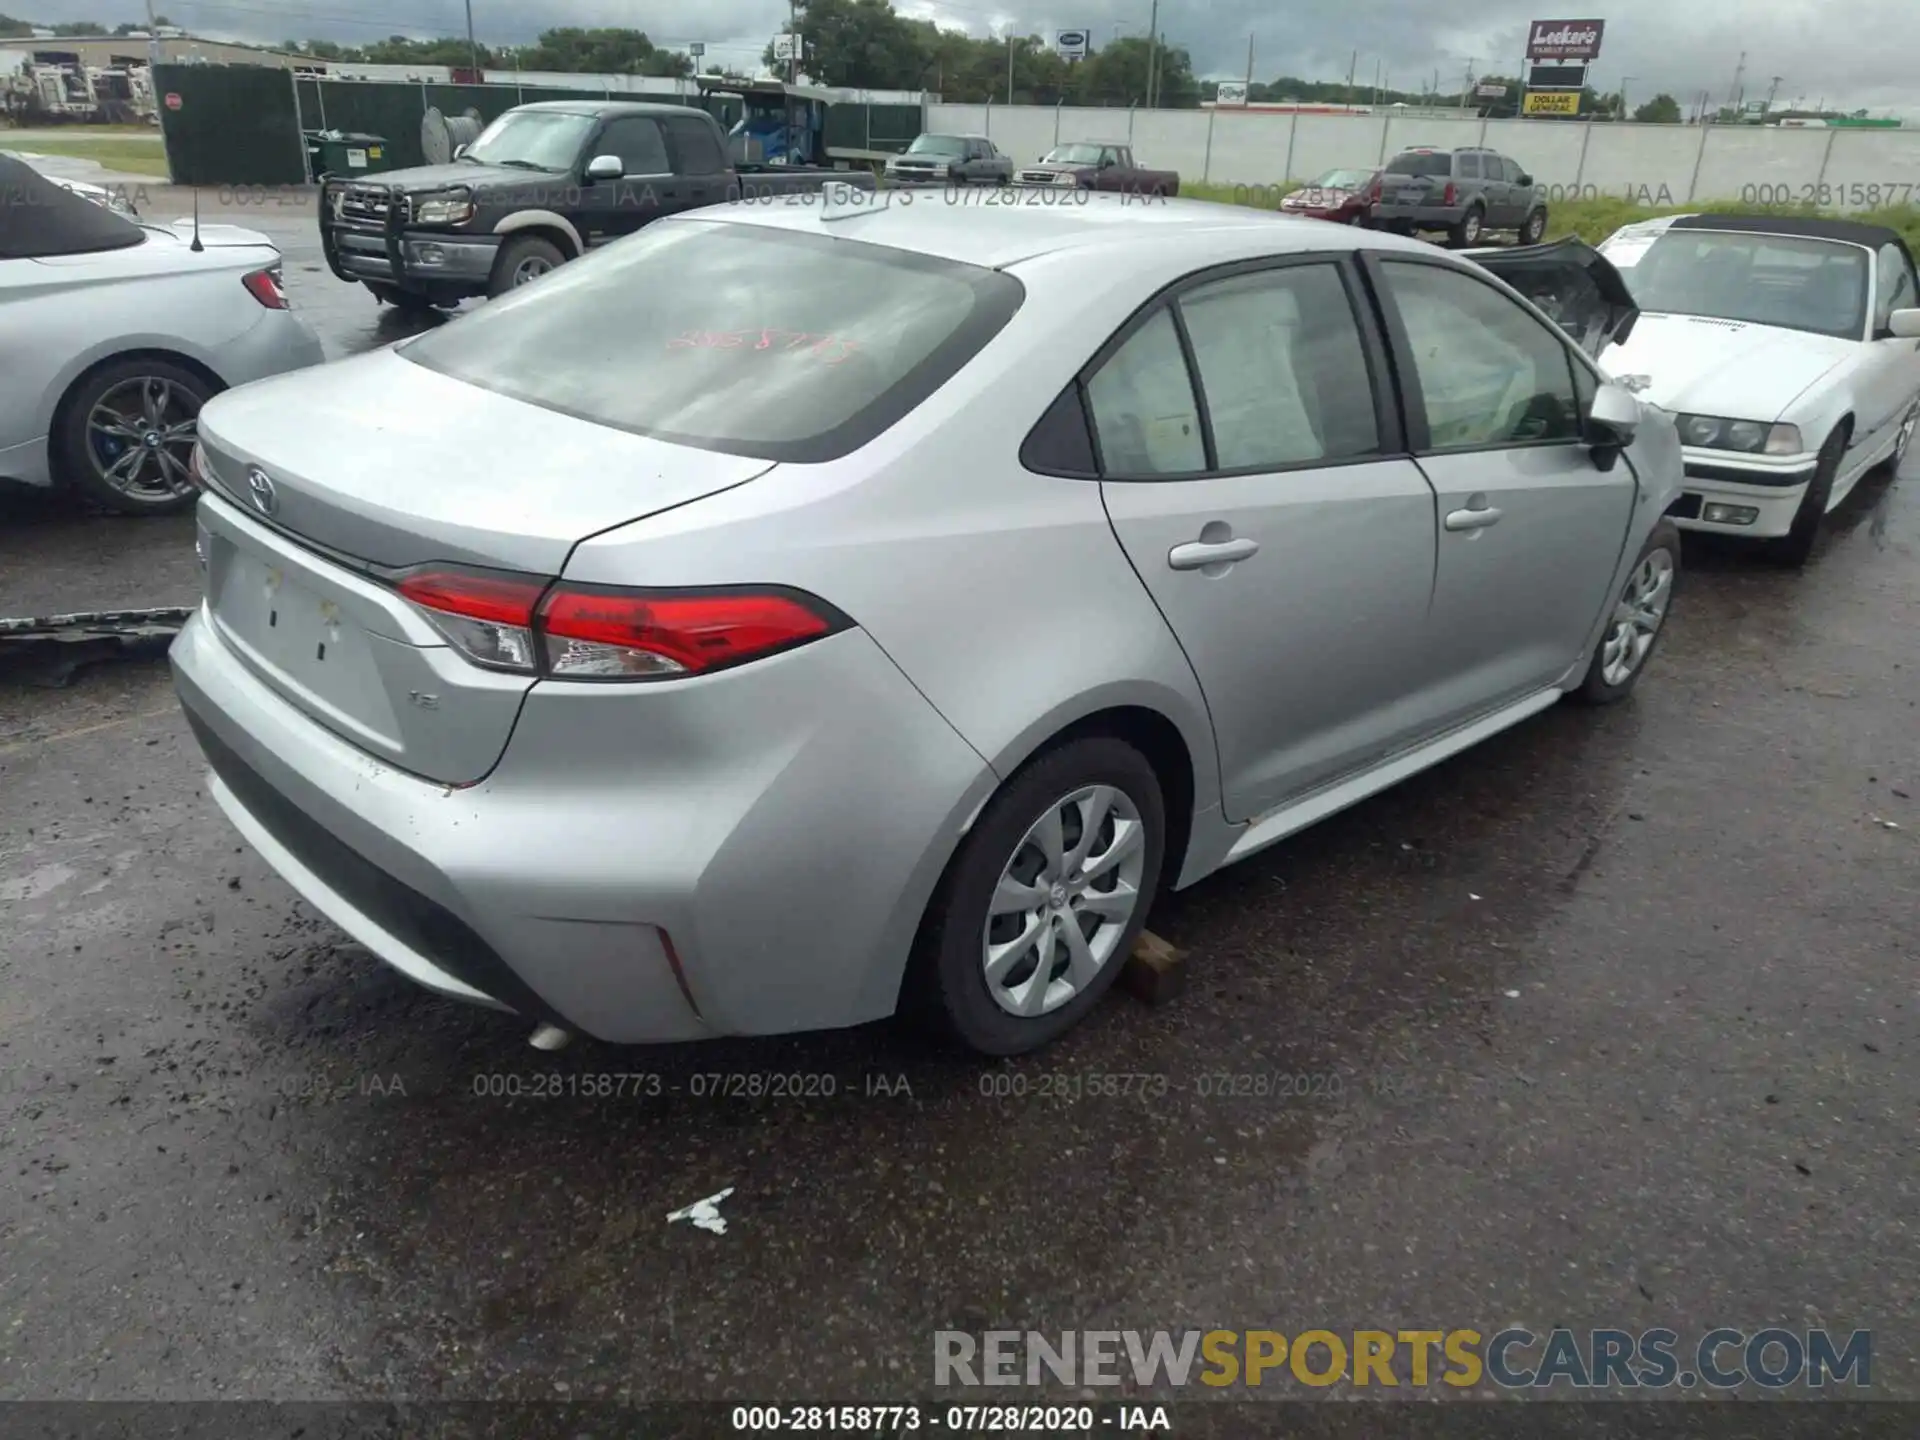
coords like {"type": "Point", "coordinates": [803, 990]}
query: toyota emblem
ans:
{"type": "Point", "coordinates": [260, 488]}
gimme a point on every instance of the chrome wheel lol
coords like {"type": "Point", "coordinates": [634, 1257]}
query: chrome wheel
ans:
{"type": "Point", "coordinates": [1470, 228]}
{"type": "Point", "coordinates": [140, 436]}
{"type": "Point", "coordinates": [532, 267]}
{"type": "Point", "coordinates": [1906, 436]}
{"type": "Point", "coordinates": [1064, 900]}
{"type": "Point", "coordinates": [1637, 618]}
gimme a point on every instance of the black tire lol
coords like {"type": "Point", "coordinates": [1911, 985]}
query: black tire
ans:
{"type": "Point", "coordinates": [407, 300]}
{"type": "Point", "coordinates": [947, 981]}
{"type": "Point", "coordinates": [1795, 547]}
{"type": "Point", "coordinates": [85, 458]}
{"type": "Point", "coordinates": [1596, 689]}
{"type": "Point", "coordinates": [1468, 232]}
{"type": "Point", "coordinates": [516, 256]}
{"type": "Point", "coordinates": [1535, 227]}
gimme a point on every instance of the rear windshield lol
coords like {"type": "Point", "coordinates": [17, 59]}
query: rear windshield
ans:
{"type": "Point", "coordinates": [732, 337]}
{"type": "Point", "coordinates": [1432, 164]}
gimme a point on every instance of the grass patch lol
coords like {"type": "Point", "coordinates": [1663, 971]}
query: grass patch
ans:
{"type": "Point", "coordinates": [1594, 220]}
{"type": "Point", "coordinates": [132, 157]}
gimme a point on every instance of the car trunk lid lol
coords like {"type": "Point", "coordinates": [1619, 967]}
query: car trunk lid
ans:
{"type": "Point", "coordinates": [321, 494]}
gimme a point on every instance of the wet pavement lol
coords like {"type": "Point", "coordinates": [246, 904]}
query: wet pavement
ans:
{"type": "Point", "coordinates": [1609, 1022]}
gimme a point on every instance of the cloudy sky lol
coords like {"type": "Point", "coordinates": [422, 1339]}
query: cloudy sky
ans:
{"type": "Point", "coordinates": [1856, 52]}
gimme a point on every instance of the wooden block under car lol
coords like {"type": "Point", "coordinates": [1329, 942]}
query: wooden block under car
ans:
{"type": "Point", "coordinates": [1155, 972]}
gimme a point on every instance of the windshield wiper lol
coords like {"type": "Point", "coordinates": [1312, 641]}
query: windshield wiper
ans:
{"type": "Point", "coordinates": [523, 165]}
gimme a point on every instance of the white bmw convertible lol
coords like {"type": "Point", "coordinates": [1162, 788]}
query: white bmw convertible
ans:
{"type": "Point", "coordinates": [1789, 350]}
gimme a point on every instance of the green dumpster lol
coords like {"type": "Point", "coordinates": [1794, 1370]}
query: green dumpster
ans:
{"type": "Point", "coordinates": [346, 153]}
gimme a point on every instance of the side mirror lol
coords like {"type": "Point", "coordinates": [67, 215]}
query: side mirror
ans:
{"type": "Point", "coordinates": [459, 151]}
{"type": "Point", "coordinates": [1525, 178]}
{"type": "Point", "coordinates": [1612, 420]}
{"type": "Point", "coordinates": [1904, 325]}
{"type": "Point", "coordinates": [605, 167]}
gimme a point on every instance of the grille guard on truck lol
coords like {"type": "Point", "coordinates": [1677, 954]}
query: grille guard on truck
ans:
{"type": "Point", "coordinates": [392, 226]}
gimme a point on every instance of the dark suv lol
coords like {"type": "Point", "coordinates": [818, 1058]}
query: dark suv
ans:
{"type": "Point", "coordinates": [1463, 192]}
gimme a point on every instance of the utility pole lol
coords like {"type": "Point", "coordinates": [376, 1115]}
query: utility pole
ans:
{"type": "Point", "coordinates": [153, 43]}
{"type": "Point", "coordinates": [1733, 95]}
{"type": "Point", "coordinates": [1466, 85]}
{"type": "Point", "coordinates": [1772, 90]}
{"type": "Point", "coordinates": [1623, 93]}
{"type": "Point", "coordinates": [473, 50]}
{"type": "Point", "coordinates": [1009, 67]}
{"type": "Point", "coordinates": [1376, 84]}
{"type": "Point", "coordinates": [1352, 60]}
{"type": "Point", "coordinates": [1153, 51]}
{"type": "Point", "coordinates": [1249, 65]}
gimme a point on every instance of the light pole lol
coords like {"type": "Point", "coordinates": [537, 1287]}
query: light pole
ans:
{"type": "Point", "coordinates": [473, 50]}
{"type": "Point", "coordinates": [1153, 51]}
{"type": "Point", "coordinates": [1623, 93]}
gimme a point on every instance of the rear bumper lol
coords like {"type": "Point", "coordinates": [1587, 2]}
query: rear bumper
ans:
{"type": "Point", "coordinates": [282, 340]}
{"type": "Point", "coordinates": [1428, 217]}
{"type": "Point", "coordinates": [776, 831]}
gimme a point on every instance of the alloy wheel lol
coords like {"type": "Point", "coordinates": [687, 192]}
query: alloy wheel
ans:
{"type": "Point", "coordinates": [1064, 900]}
{"type": "Point", "coordinates": [1471, 228]}
{"type": "Point", "coordinates": [531, 268]}
{"type": "Point", "coordinates": [140, 437]}
{"type": "Point", "coordinates": [1638, 617]}
{"type": "Point", "coordinates": [1905, 441]}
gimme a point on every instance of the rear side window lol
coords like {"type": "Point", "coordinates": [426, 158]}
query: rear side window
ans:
{"type": "Point", "coordinates": [1143, 406]}
{"type": "Point", "coordinates": [1470, 168]}
{"type": "Point", "coordinates": [696, 149]}
{"type": "Point", "coordinates": [1424, 164]}
{"type": "Point", "coordinates": [783, 345]}
{"type": "Point", "coordinates": [1281, 367]}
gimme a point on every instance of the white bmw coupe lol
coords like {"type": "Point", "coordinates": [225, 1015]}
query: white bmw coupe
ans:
{"type": "Point", "coordinates": [1789, 350]}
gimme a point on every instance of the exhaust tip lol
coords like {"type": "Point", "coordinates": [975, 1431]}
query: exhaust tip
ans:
{"type": "Point", "coordinates": [550, 1037]}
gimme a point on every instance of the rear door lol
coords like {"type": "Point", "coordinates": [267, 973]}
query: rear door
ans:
{"type": "Point", "coordinates": [1253, 470]}
{"type": "Point", "coordinates": [1530, 526]}
{"type": "Point", "coordinates": [699, 164]}
{"type": "Point", "coordinates": [1573, 284]}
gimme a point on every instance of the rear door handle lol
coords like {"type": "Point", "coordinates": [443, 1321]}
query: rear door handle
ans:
{"type": "Point", "coordinates": [1474, 519]}
{"type": "Point", "coordinates": [1198, 554]}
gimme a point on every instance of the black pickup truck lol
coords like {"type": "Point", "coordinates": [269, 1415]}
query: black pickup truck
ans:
{"type": "Point", "coordinates": [540, 186]}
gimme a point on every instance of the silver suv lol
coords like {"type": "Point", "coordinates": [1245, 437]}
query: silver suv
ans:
{"type": "Point", "coordinates": [1464, 192]}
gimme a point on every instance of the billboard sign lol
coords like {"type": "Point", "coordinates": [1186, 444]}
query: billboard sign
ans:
{"type": "Point", "coordinates": [1230, 92]}
{"type": "Point", "coordinates": [1493, 91]}
{"type": "Point", "coordinates": [786, 47]}
{"type": "Point", "coordinates": [1072, 44]}
{"type": "Point", "coordinates": [1551, 102]}
{"type": "Point", "coordinates": [1565, 39]}
{"type": "Point", "coordinates": [1556, 77]}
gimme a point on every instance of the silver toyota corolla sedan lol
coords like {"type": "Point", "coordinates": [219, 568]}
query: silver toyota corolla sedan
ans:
{"type": "Point", "coordinates": [790, 615]}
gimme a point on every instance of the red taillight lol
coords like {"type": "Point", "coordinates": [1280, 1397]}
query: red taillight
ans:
{"type": "Point", "coordinates": [583, 632]}
{"type": "Point", "coordinates": [264, 286]}
{"type": "Point", "coordinates": [487, 617]}
{"type": "Point", "coordinates": [628, 633]}
{"type": "Point", "coordinates": [1374, 193]}
{"type": "Point", "coordinates": [1447, 197]}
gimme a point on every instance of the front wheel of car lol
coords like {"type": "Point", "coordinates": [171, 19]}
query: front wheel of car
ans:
{"type": "Point", "coordinates": [1041, 904]}
{"type": "Point", "coordinates": [1535, 227]}
{"type": "Point", "coordinates": [1467, 233]}
{"type": "Point", "coordinates": [126, 435]}
{"type": "Point", "coordinates": [1905, 440]}
{"type": "Point", "coordinates": [522, 260]}
{"type": "Point", "coordinates": [1638, 617]}
{"type": "Point", "coordinates": [1795, 548]}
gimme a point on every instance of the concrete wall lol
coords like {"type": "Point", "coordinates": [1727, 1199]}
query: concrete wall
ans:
{"type": "Point", "coordinates": [1655, 164]}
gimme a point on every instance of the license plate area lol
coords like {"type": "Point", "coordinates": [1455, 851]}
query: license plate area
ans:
{"type": "Point", "coordinates": [302, 642]}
